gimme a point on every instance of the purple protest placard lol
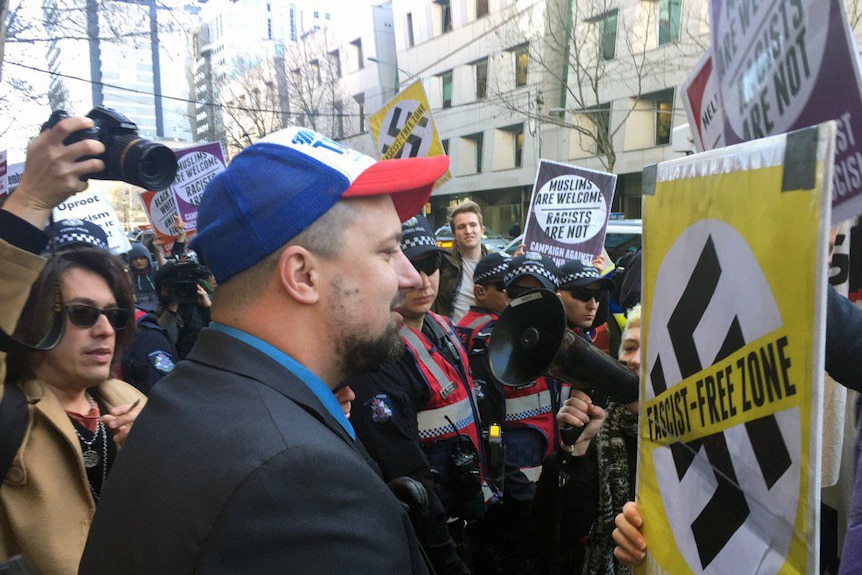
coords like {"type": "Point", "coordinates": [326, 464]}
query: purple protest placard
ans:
{"type": "Point", "coordinates": [196, 166]}
{"type": "Point", "coordinates": [789, 64]}
{"type": "Point", "coordinates": [3, 180]}
{"type": "Point", "coordinates": [569, 212]}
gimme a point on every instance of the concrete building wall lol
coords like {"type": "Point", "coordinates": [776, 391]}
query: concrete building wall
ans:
{"type": "Point", "coordinates": [537, 114]}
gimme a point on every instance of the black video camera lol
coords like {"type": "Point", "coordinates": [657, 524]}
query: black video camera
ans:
{"type": "Point", "coordinates": [182, 280]}
{"type": "Point", "coordinates": [127, 157]}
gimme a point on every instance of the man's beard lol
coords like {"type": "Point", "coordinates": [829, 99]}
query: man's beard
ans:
{"type": "Point", "coordinates": [358, 353]}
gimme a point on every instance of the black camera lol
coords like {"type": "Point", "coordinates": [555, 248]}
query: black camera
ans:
{"type": "Point", "coordinates": [127, 157]}
{"type": "Point", "coordinates": [181, 280]}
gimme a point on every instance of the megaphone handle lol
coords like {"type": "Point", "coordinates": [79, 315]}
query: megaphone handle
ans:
{"type": "Point", "coordinates": [570, 434]}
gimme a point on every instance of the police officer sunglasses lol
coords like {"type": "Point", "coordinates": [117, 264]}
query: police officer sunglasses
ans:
{"type": "Point", "coordinates": [85, 315]}
{"type": "Point", "coordinates": [427, 264]}
{"type": "Point", "coordinates": [583, 294]}
{"type": "Point", "coordinates": [514, 292]}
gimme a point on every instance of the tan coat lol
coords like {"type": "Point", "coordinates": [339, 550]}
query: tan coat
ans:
{"type": "Point", "coordinates": [45, 502]}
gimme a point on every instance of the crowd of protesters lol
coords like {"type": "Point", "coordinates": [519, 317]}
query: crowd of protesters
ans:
{"type": "Point", "coordinates": [329, 407]}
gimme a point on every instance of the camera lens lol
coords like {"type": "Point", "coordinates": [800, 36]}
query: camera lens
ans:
{"type": "Point", "coordinates": [141, 162]}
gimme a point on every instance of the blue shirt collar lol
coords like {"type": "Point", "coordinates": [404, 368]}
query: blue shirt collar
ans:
{"type": "Point", "coordinates": [314, 383]}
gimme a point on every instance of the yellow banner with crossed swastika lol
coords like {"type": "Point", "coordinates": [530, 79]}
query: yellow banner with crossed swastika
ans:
{"type": "Point", "coordinates": [734, 280]}
{"type": "Point", "coordinates": [404, 128]}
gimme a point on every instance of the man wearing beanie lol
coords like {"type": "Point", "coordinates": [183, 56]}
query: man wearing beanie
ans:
{"type": "Point", "coordinates": [417, 415]}
{"type": "Point", "coordinates": [246, 462]}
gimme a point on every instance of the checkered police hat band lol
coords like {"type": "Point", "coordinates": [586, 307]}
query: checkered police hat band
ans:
{"type": "Point", "coordinates": [417, 241]}
{"type": "Point", "coordinates": [586, 273]}
{"type": "Point", "coordinates": [530, 268]}
{"type": "Point", "coordinates": [66, 238]}
{"type": "Point", "coordinates": [495, 271]}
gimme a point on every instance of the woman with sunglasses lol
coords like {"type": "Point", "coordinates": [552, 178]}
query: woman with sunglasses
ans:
{"type": "Point", "coordinates": [74, 416]}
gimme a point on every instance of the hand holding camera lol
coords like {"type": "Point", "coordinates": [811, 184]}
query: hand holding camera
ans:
{"type": "Point", "coordinates": [52, 171]}
{"type": "Point", "coordinates": [127, 157]}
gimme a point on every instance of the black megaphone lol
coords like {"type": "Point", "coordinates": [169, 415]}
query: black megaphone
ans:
{"type": "Point", "coordinates": [531, 339]}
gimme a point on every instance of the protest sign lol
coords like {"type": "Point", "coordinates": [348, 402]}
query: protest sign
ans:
{"type": "Point", "coordinates": [731, 383]}
{"type": "Point", "coordinates": [779, 67]}
{"type": "Point", "coordinates": [569, 212]}
{"type": "Point", "coordinates": [161, 207]}
{"type": "Point", "coordinates": [703, 106]}
{"type": "Point", "coordinates": [93, 206]}
{"type": "Point", "coordinates": [404, 128]}
{"type": "Point", "coordinates": [196, 166]}
{"type": "Point", "coordinates": [4, 186]}
{"type": "Point", "coordinates": [13, 176]}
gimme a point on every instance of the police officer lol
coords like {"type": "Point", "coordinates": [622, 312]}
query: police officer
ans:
{"type": "Point", "coordinates": [584, 293]}
{"type": "Point", "coordinates": [491, 299]}
{"type": "Point", "coordinates": [417, 416]}
{"type": "Point", "coordinates": [529, 427]}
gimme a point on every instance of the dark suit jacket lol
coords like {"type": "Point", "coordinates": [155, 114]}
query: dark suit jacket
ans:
{"type": "Point", "coordinates": [236, 467]}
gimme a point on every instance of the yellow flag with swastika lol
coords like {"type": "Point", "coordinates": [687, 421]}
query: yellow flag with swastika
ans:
{"type": "Point", "coordinates": [404, 128]}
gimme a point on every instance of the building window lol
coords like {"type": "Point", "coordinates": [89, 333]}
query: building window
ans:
{"type": "Point", "coordinates": [481, 78]}
{"type": "Point", "coordinates": [315, 72]}
{"type": "Point", "coordinates": [522, 61]}
{"type": "Point", "coordinates": [478, 141]}
{"type": "Point", "coordinates": [602, 122]}
{"type": "Point", "coordinates": [663, 108]}
{"type": "Point", "coordinates": [481, 8]}
{"type": "Point", "coordinates": [335, 63]}
{"type": "Point", "coordinates": [360, 59]}
{"type": "Point", "coordinates": [607, 26]}
{"type": "Point", "coordinates": [444, 10]}
{"type": "Point", "coordinates": [518, 137]}
{"type": "Point", "coordinates": [446, 83]}
{"type": "Point", "coordinates": [509, 147]}
{"type": "Point", "coordinates": [410, 41]}
{"type": "Point", "coordinates": [360, 102]}
{"type": "Point", "coordinates": [339, 119]}
{"type": "Point", "coordinates": [668, 21]}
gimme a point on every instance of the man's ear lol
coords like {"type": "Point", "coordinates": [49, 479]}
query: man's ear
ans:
{"type": "Point", "coordinates": [478, 291]}
{"type": "Point", "coordinates": [298, 274]}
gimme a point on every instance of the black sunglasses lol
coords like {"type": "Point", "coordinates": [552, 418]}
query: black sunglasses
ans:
{"type": "Point", "coordinates": [85, 315]}
{"type": "Point", "coordinates": [584, 294]}
{"type": "Point", "coordinates": [514, 292]}
{"type": "Point", "coordinates": [427, 264]}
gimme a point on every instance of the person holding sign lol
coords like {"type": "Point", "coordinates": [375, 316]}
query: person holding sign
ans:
{"type": "Point", "coordinates": [595, 480]}
{"type": "Point", "coordinates": [844, 364]}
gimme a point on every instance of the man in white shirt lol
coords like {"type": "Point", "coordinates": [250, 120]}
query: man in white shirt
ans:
{"type": "Point", "coordinates": [455, 295]}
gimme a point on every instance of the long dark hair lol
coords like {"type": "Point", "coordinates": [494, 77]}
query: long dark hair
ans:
{"type": "Point", "coordinates": [20, 364]}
